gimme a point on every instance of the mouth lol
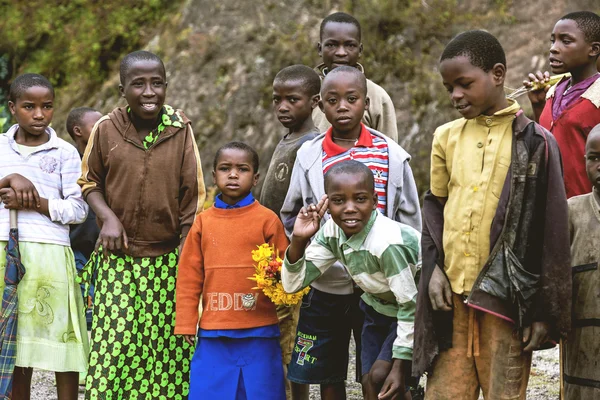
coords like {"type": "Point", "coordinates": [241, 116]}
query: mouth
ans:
{"type": "Point", "coordinates": [555, 62]}
{"type": "Point", "coordinates": [462, 108]}
{"type": "Point", "coordinates": [284, 119]}
{"type": "Point", "coordinates": [344, 119]}
{"type": "Point", "coordinates": [232, 186]}
{"type": "Point", "coordinates": [351, 223]}
{"type": "Point", "coordinates": [149, 107]}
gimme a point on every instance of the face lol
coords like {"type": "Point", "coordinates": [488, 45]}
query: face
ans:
{"type": "Point", "coordinates": [351, 201]}
{"type": "Point", "coordinates": [33, 110]}
{"type": "Point", "coordinates": [234, 175]}
{"type": "Point", "coordinates": [592, 160]}
{"type": "Point", "coordinates": [340, 45]}
{"type": "Point", "coordinates": [473, 92]}
{"type": "Point", "coordinates": [291, 104]}
{"type": "Point", "coordinates": [344, 102]}
{"type": "Point", "coordinates": [145, 88]}
{"type": "Point", "coordinates": [85, 126]}
{"type": "Point", "coordinates": [569, 50]}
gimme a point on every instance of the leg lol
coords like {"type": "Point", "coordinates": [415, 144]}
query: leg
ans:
{"type": "Point", "coordinates": [22, 383]}
{"type": "Point", "coordinates": [454, 375]}
{"type": "Point", "coordinates": [333, 391]}
{"type": "Point", "coordinates": [288, 323]}
{"type": "Point", "coordinates": [300, 391]}
{"type": "Point", "coordinates": [67, 385]}
{"type": "Point", "coordinates": [375, 378]}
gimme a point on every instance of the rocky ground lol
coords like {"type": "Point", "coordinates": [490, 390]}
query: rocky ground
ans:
{"type": "Point", "coordinates": [543, 383]}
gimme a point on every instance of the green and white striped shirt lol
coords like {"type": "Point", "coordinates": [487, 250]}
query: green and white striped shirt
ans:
{"type": "Point", "coordinates": [384, 260]}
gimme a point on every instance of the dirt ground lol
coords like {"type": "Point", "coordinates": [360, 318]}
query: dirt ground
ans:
{"type": "Point", "coordinates": [543, 383]}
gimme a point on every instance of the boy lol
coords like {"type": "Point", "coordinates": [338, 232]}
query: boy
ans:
{"type": "Point", "coordinates": [295, 95]}
{"type": "Point", "coordinates": [80, 122]}
{"type": "Point", "coordinates": [496, 184]}
{"type": "Point", "coordinates": [571, 108]}
{"type": "Point", "coordinates": [381, 255]}
{"type": "Point", "coordinates": [581, 372]}
{"type": "Point", "coordinates": [340, 44]}
{"type": "Point", "coordinates": [238, 355]}
{"type": "Point", "coordinates": [331, 310]}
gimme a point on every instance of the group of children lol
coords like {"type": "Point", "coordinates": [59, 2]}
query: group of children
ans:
{"type": "Point", "coordinates": [463, 290]}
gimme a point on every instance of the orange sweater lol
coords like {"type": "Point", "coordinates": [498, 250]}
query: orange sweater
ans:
{"type": "Point", "coordinates": [216, 263]}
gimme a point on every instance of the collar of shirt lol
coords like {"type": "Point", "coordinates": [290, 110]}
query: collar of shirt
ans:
{"type": "Point", "coordinates": [332, 149]}
{"type": "Point", "coordinates": [246, 201]}
{"type": "Point", "coordinates": [500, 117]}
{"type": "Point", "coordinates": [50, 144]}
{"type": "Point", "coordinates": [356, 241]}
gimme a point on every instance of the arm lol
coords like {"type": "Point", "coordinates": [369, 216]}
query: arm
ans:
{"type": "Point", "coordinates": [192, 192]}
{"type": "Point", "coordinates": [409, 210]}
{"type": "Point", "coordinates": [70, 208]}
{"type": "Point", "coordinates": [293, 200]}
{"type": "Point", "coordinates": [190, 281]}
{"type": "Point", "coordinates": [537, 97]}
{"type": "Point", "coordinates": [387, 120]}
{"type": "Point", "coordinates": [26, 195]}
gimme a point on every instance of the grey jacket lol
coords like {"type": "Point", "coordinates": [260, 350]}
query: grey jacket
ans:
{"type": "Point", "coordinates": [307, 186]}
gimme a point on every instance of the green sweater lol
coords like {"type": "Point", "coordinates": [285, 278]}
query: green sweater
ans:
{"type": "Point", "coordinates": [383, 259]}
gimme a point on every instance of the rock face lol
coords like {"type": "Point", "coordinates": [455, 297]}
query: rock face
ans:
{"type": "Point", "coordinates": [221, 58]}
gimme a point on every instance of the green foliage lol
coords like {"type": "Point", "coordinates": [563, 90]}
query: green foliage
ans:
{"type": "Point", "coordinates": [76, 40]}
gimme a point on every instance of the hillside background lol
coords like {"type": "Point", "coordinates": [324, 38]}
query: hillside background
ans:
{"type": "Point", "coordinates": [221, 56]}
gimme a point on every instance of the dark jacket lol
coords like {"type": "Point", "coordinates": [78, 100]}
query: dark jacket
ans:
{"type": "Point", "coordinates": [155, 193]}
{"type": "Point", "coordinates": [527, 275]}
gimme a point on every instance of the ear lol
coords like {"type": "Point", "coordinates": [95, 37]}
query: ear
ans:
{"type": "Point", "coordinates": [77, 130]}
{"type": "Point", "coordinates": [320, 49]}
{"type": "Point", "coordinates": [255, 179]}
{"type": "Point", "coordinates": [594, 49]}
{"type": "Point", "coordinates": [214, 177]}
{"type": "Point", "coordinates": [121, 90]}
{"type": "Point", "coordinates": [12, 107]}
{"type": "Point", "coordinates": [375, 199]}
{"type": "Point", "coordinates": [360, 50]}
{"type": "Point", "coordinates": [321, 104]}
{"type": "Point", "coordinates": [367, 103]}
{"type": "Point", "coordinates": [166, 84]}
{"type": "Point", "coordinates": [498, 72]}
{"type": "Point", "coordinates": [314, 101]}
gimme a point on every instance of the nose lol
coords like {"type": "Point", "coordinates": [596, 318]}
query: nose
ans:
{"type": "Point", "coordinates": [283, 107]}
{"type": "Point", "coordinates": [350, 207]}
{"type": "Point", "coordinates": [553, 48]}
{"type": "Point", "coordinates": [37, 113]}
{"type": "Point", "coordinates": [456, 95]}
{"type": "Point", "coordinates": [340, 51]}
{"type": "Point", "coordinates": [342, 105]}
{"type": "Point", "coordinates": [233, 173]}
{"type": "Point", "coordinates": [148, 92]}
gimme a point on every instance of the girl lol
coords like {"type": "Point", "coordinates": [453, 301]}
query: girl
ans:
{"type": "Point", "coordinates": [51, 332]}
{"type": "Point", "coordinates": [142, 177]}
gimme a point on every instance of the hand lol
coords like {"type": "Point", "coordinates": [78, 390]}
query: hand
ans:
{"type": "Point", "coordinates": [440, 293]}
{"type": "Point", "coordinates": [9, 198]}
{"type": "Point", "coordinates": [309, 219]}
{"type": "Point", "coordinates": [190, 339]}
{"type": "Point", "coordinates": [393, 387]}
{"type": "Point", "coordinates": [112, 235]}
{"type": "Point", "coordinates": [27, 196]}
{"type": "Point", "coordinates": [535, 336]}
{"type": "Point", "coordinates": [537, 97]}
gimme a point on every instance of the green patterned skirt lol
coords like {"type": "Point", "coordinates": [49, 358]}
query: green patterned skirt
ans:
{"type": "Point", "coordinates": [134, 353]}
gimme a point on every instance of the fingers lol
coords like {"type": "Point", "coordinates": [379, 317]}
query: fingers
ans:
{"type": "Point", "coordinates": [447, 291]}
{"type": "Point", "coordinates": [189, 339]}
{"type": "Point", "coordinates": [36, 198]}
{"type": "Point", "coordinates": [126, 241]}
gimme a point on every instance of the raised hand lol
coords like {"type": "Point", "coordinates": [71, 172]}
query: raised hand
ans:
{"type": "Point", "coordinates": [537, 97]}
{"type": "Point", "coordinates": [308, 221]}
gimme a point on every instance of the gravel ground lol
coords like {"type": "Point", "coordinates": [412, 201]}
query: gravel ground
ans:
{"type": "Point", "coordinates": [543, 383]}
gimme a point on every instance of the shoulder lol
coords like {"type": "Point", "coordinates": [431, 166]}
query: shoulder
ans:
{"type": "Point", "coordinates": [593, 93]}
{"type": "Point", "coordinates": [374, 91]}
{"type": "Point", "coordinates": [311, 148]}
{"type": "Point", "coordinates": [386, 233]}
{"type": "Point", "coordinates": [577, 203]}
{"type": "Point", "coordinates": [395, 151]}
{"type": "Point", "coordinates": [449, 128]}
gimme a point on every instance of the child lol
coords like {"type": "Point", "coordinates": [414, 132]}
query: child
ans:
{"type": "Point", "coordinates": [571, 108]}
{"type": "Point", "coordinates": [495, 283]}
{"type": "Point", "coordinates": [142, 176]}
{"type": "Point", "coordinates": [581, 373]}
{"type": "Point", "coordinates": [80, 122]}
{"type": "Point", "coordinates": [238, 355]}
{"type": "Point", "coordinates": [381, 255]}
{"type": "Point", "coordinates": [38, 177]}
{"type": "Point", "coordinates": [330, 309]}
{"type": "Point", "coordinates": [295, 95]}
{"type": "Point", "coordinates": [340, 44]}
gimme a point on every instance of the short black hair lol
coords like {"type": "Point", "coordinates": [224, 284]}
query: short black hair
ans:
{"type": "Point", "coordinates": [342, 18]}
{"type": "Point", "coordinates": [23, 82]}
{"type": "Point", "coordinates": [311, 83]}
{"type": "Point", "coordinates": [351, 167]}
{"type": "Point", "coordinates": [75, 116]}
{"type": "Point", "coordinates": [345, 69]}
{"type": "Point", "coordinates": [140, 55]}
{"type": "Point", "coordinates": [481, 48]}
{"type": "Point", "coordinates": [238, 146]}
{"type": "Point", "coordinates": [588, 22]}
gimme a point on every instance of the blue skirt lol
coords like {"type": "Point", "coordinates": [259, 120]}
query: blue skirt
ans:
{"type": "Point", "coordinates": [237, 369]}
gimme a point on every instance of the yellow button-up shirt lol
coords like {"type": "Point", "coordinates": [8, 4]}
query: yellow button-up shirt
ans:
{"type": "Point", "coordinates": [469, 163]}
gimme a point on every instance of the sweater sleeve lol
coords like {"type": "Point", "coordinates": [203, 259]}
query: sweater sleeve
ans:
{"type": "Point", "coordinates": [439, 172]}
{"type": "Point", "coordinates": [387, 120]}
{"type": "Point", "coordinates": [93, 172]}
{"type": "Point", "coordinates": [276, 236]}
{"type": "Point", "coordinates": [192, 192]}
{"type": "Point", "coordinates": [70, 207]}
{"type": "Point", "coordinates": [409, 210]}
{"type": "Point", "coordinates": [190, 280]}
{"type": "Point", "coordinates": [293, 200]}
{"type": "Point", "coordinates": [317, 259]}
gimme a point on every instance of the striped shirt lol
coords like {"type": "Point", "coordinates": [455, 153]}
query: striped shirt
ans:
{"type": "Point", "coordinates": [53, 168]}
{"type": "Point", "coordinates": [369, 149]}
{"type": "Point", "coordinates": [383, 260]}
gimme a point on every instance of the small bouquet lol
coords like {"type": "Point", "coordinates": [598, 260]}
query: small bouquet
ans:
{"type": "Point", "coordinates": [268, 276]}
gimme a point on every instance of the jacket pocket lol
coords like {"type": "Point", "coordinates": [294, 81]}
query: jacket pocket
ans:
{"type": "Point", "coordinates": [499, 175]}
{"type": "Point", "coordinates": [585, 267]}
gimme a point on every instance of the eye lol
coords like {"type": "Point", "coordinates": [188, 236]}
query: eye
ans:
{"type": "Point", "coordinates": [593, 158]}
{"type": "Point", "coordinates": [293, 100]}
{"type": "Point", "coordinates": [137, 84]}
{"type": "Point", "coordinates": [275, 100]}
{"type": "Point", "coordinates": [157, 83]}
{"type": "Point", "coordinates": [48, 106]}
{"type": "Point", "coordinates": [336, 201]}
{"type": "Point", "coordinates": [332, 101]}
{"type": "Point", "coordinates": [467, 85]}
{"type": "Point", "coordinates": [223, 168]}
{"type": "Point", "coordinates": [361, 199]}
{"type": "Point", "coordinates": [330, 45]}
{"type": "Point", "coordinates": [28, 106]}
{"type": "Point", "coordinates": [352, 99]}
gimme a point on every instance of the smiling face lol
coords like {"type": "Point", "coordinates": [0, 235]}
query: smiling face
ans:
{"type": "Point", "coordinates": [569, 51]}
{"type": "Point", "coordinates": [145, 88]}
{"type": "Point", "coordinates": [351, 201]}
{"type": "Point", "coordinates": [473, 91]}
{"type": "Point", "coordinates": [340, 45]}
{"type": "Point", "coordinates": [592, 159]}
{"type": "Point", "coordinates": [344, 102]}
{"type": "Point", "coordinates": [291, 104]}
{"type": "Point", "coordinates": [33, 110]}
{"type": "Point", "coordinates": [234, 175]}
